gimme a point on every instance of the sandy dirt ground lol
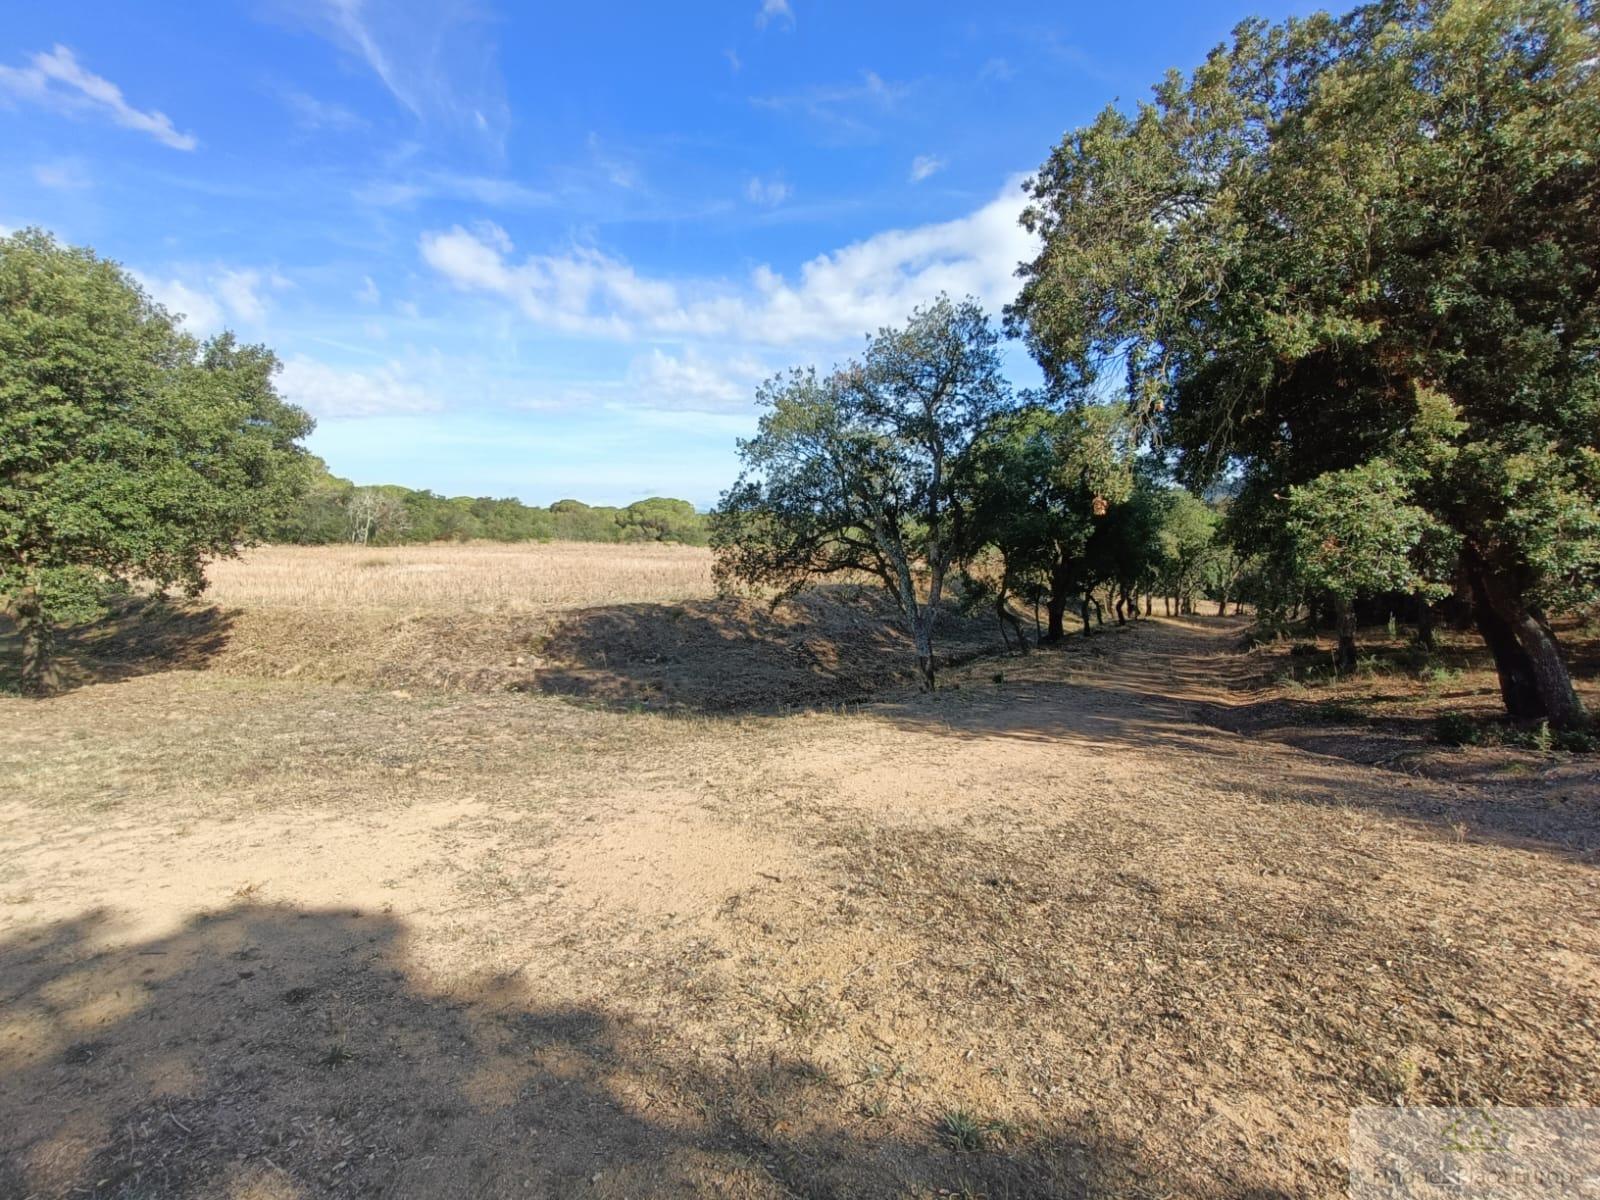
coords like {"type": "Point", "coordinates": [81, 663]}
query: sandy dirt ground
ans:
{"type": "Point", "coordinates": [1078, 924]}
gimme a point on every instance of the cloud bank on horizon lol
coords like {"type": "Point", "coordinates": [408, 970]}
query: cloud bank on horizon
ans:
{"type": "Point", "coordinates": [553, 256]}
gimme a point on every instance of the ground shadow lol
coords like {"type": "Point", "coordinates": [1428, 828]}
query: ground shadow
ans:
{"type": "Point", "coordinates": [139, 636]}
{"type": "Point", "coordinates": [274, 1053]}
{"type": "Point", "coordinates": [828, 645]}
{"type": "Point", "coordinates": [1165, 703]}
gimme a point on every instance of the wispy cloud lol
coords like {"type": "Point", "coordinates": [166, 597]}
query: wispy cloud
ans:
{"type": "Point", "coordinates": [63, 174]}
{"type": "Point", "coordinates": [925, 165]}
{"type": "Point", "coordinates": [832, 299]}
{"type": "Point", "coordinates": [775, 11]}
{"type": "Point", "coordinates": [492, 191]}
{"type": "Point", "coordinates": [767, 191]}
{"type": "Point", "coordinates": [310, 113]}
{"type": "Point", "coordinates": [329, 391]}
{"type": "Point", "coordinates": [58, 80]}
{"type": "Point", "coordinates": [997, 69]}
{"type": "Point", "coordinates": [838, 106]}
{"type": "Point", "coordinates": [435, 57]}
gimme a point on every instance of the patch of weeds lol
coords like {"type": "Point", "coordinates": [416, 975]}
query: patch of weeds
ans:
{"type": "Point", "coordinates": [1453, 729]}
{"type": "Point", "coordinates": [966, 1134]}
{"type": "Point", "coordinates": [336, 1055]}
{"type": "Point", "coordinates": [1577, 741]}
{"type": "Point", "coordinates": [296, 996]}
{"type": "Point", "coordinates": [998, 677]}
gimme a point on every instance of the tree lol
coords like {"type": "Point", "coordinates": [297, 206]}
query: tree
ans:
{"type": "Point", "coordinates": [1337, 229]}
{"type": "Point", "coordinates": [1037, 482]}
{"type": "Point", "coordinates": [377, 514]}
{"type": "Point", "coordinates": [860, 469]}
{"type": "Point", "coordinates": [1357, 532]}
{"type": "Point", "coordinates": [128, 451]}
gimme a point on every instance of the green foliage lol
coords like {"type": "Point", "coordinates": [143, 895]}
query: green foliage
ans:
{"type": "Point", "coordinates": [331, 509]}
{"type": "Point", "coordinates": [128, 451]}
{"type": "Point", "coordinates": [1357, 532]}
{"type": "Point", "coordinates": [1352, 240]}
{"type": "Point", "coordinates": [863, 469]}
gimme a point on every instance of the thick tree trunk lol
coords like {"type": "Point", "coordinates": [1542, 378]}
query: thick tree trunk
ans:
{"type": "Point", "coordinates": [1519, 690]}
{"type": "Point", "coordinates": [1222, 607]}
{"type": "Point", "coordinates": [1552, 685]}
{"type": "Point", "coordinates": [38, 644]}
{"type": "Point", "coordinates": [1344, 659]}
{"type": "Point", "coordinates": [1083, 610]}
{"type": "Point", "coordinates": [1149, 604]}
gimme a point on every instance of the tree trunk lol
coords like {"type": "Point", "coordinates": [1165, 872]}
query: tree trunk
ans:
{"type": "Point", "coordinates": [1083, 610]}
{"type": "Point", "coordinates": [1009, 618]}
{"type": "Point", "coordinates": [38, 644]}
{"type": "Point", "coordinates": [1222, 607]}
{"type": "Point", "coordinates": [1344, 659]}
{"type": "Point", "coordinates": [1519, 691]}
{"type": "Point", "coordinates": [1166, 605]}
{"type": "Point", "coordinates": [1425, 637]}
{"type": "Point", "coordinates": [1149, 604]}
{"type": "Point", "coordinates": [1552, 688]}
{"type": "Point", "coordinates": [922, 633]}
{"type": "Point", "coordinates": [1056, 606]}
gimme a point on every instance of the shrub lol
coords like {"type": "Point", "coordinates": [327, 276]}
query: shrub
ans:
{"type": "Point", "coordinates": [1453, 729]}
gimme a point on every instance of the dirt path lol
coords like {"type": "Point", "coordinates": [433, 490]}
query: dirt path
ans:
{"type": "Point", "coordinates": [1060, 932]}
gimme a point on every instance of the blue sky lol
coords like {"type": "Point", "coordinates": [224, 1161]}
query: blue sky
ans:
{"type": "Point", "coordinates": [549, 250]}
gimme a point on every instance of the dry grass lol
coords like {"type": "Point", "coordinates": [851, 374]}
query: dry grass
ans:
{"type": "Point", "coordinates": [1059, 930]}
{"type": "Point", "coordinates": [475, 578]}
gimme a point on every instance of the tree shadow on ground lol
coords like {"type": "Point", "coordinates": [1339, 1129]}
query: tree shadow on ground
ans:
{"type": "Point", "coordinates": [828, 645]}
{"type": "Point", "coordinates": [1168, 706]}
{"type": "Point", "coordinates": [276, 1053]}
{"type": "Point", "coordinates": [139, 636]}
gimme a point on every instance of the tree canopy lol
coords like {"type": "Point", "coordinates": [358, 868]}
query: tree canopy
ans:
{"type": "Point", "coordinates": [1361, 240]}
{"type": "Point", "coordinates": [860, 469]}
{"type": "Point", "coordinates": [128, 450]}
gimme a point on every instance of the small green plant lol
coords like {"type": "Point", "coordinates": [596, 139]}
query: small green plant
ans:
{"type": "Point", "coordinates": [1541, 739]}
{"type": "Point", "coordinates": [1394, 628]}
{"type": "Point", "coordinates": [1453, 729]}
{"type": "Point", "coordinates": [963, 1132]}
{"type": "Point", "coordinates": [336, 1055]}
{"type": "Point", "coordinates": [1577, 741]}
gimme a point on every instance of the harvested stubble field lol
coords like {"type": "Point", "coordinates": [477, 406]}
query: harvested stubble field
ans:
{"type": "Point", "coordinates": [279, 923]}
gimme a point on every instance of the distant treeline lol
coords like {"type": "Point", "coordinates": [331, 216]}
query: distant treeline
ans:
{"type": "Point", "coordinates": [331, 509]}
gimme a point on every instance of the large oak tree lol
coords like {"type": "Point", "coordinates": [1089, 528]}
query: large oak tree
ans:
{"type": "Point", "coordinates": [128, 450]}
{"type": "Point", "coordinates": [1370, 239]}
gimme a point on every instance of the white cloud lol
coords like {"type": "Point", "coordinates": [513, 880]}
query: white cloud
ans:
{"type": "Point", "coordinates": [775, 10]}
{"type": "Point", "coordinates": [489, 190]}
{"type": "Point", "coordinates": [368, 292]}
{"type": "Point", "coordinates": [695, 381]}
{"type": "Point", "coordinates": [207, 302]}
{"type": "Point", "coordinates": [66, 174]}
{"type": "Point", "coordinates": [326, 391]}
{"type": "Point", "coordinates": [201, 313]}
{"type": "Point", "coordinates": [57, 80]}
{"type": "Point", "coordinates": [735, 64]}
{"type": "Point", "coordinates": [833, 298]}
{"type": "Point", "coordinates": [767, 191]}
{"type": "Point", "coordinates": [924, 165]}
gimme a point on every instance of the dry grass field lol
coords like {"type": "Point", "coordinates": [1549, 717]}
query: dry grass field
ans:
{"type": "Point", "coordinates": [324, 893]}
